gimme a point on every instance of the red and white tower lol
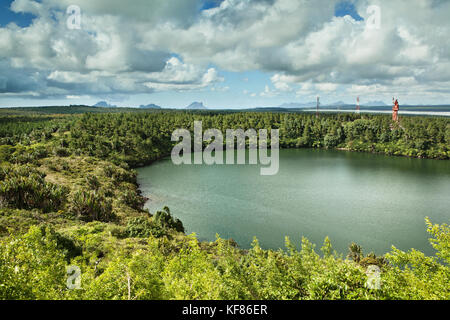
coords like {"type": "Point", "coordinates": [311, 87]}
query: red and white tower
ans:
{"type": "Point", "coordinates": [395, 109]}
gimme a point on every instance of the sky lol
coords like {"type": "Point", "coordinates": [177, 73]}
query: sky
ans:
{"type": "Point", "coordinates": [224, 53]}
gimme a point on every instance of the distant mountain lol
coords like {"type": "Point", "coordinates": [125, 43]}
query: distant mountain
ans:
{"type": "Point", "coordinates": [312, 104]}
{"type": "Point", "coordinates": [149, 106]}
{"type": "Point", "coordinates": [196, 106]}
{"type": "Point", "coordinates": [103, 104]}
{"type": "Point", "coordinates": [374, 104]}
{"type": "Point", "coordinates": [336, 104]}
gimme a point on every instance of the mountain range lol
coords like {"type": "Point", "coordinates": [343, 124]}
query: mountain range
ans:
{"type": "Point", "coordinates": [104, 104]}
{"type": "Point", "coordinates": [149, 106]}
{"type": "Point", "coordinates": [313, 104]}
{"type": "Point", "coordinates": [291, 105]}
{"type": "Point", "coordinates": [374, 104]}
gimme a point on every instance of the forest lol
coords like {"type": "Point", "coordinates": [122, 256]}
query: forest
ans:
{"type": "Point", "coordinates": [69, 197]}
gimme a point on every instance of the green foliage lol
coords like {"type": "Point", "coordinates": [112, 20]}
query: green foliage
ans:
{"type": "Point", "coordinates": [61, 152]}
{"type": "Point", "coordinates": [24, 187]}
{"type": "Point", "coordinates": [78, 168]}
{"type": "Point", "coordinates": [130, 278]}
{"type": "Point", "coordinates": [165, 220]}
{"type": "Point", "coordinates": [355, 252]}
{"type": "Point", "coordinates": [142, 227]}
{"type": "Point", "coordinates": [440, 240]}
{"type": "Point", "coordinates": [120, 174]}
{"type": "Point", "coordinates": [138, 138]}
{"type": "Point", "coordinates": [32, 266]}
{"type": "Point", "coordinates": [132, 199]}
{"type": "Point", "coordinates": [91, 206]}
{"type": "Point", "coordinates": [5, 153]}
{"type": "Point", "coordinates": [92, 182]}
{"type": "Point", "coordinates": [416, 276]}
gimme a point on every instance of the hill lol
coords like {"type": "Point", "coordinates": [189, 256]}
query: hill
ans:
{"type": "Point", "coordinates": [149, 106]}
{"type": "Point", "coordinates": [104, 104]}
{"type": "Point", "coordinates": [374, 104]}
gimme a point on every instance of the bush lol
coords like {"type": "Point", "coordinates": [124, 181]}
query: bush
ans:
{"type": "Point", "coordinates": [132, 199]}
{"type": "Point", "coordinates": [24, 187]}
{"type": "Point", "coordinates": [33, 266]}
{"type": "Point", "coordinates": [119, 174]}
{"type": "Point", "coordinates": [92, 182]}
{"type": "Point", "coordinates": [6, 152]}
{"type": "Point", "coordinates": [61, 152]}
{"type": "Point", "coordinates": [142, 227]}
{"type": "Point", "coordinates": [331, 141]}
{"type": "Point", "coordinates": [165, 220]}
{"type": "Point", "coordinates": [91, 206]}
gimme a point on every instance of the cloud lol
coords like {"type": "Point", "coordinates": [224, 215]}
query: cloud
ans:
{"type": "Point", "coordinates": [179, 12]}
{"type": "Point", "coordinates": [326, 87]}
{"type": "Point", "coordinates": [303, 41]}
{"type": "Point", "coordinates": [282, 82]}
{"type": "Point", "coordinates": [221, 89]}
{"type": "Point", "coordinates": [268, 93]}
{"type": "Point", "coordinates": [180, 76]}
{"type": "Point", "coordinates": [172, 45]}
{"type": "Point", "coordinates": [105, 57]}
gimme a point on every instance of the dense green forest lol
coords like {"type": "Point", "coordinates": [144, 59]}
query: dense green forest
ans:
{"type": "Point", "coordinates": [69, 197]}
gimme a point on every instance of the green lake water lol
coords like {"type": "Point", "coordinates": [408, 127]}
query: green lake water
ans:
{"type": "Point", "coordinates": [374, 200]}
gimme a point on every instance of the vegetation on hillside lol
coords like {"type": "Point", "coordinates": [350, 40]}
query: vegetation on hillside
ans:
{"type": "Point", "coordinates": [69, 197]}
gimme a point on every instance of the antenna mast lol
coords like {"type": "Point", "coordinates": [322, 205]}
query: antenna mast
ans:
{"type": "Point", "coordinates": [317, 109]}
{"type": "Point", "coordinates": [357, 105]}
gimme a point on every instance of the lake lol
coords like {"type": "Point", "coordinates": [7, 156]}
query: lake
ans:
{"type": "Point", "coordinates": [374, 200]}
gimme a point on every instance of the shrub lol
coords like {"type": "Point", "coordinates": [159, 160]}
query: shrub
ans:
{"type": "Point", "coordinates": [92, 182]}
{"type": "Point", "coordinates": [142, 227]}
{"type": "Point", "coordinates": [61, 152]}
{"type": "Point", "coordinates": [119, 232]}
{"type": "Point", "coordinates": [109, 171]}
{"type": "Point", "coordinates": [331, 141]}
{"type": "Point", "coordinates": [24, 187]}
{"type": "Point", "coordinates": [355, 252]}
{"type": "Point", "coordinates": [132, 199]}
{"type": "Point", "coordinates": [91, 206]}
{"type": "Point", "coordinates": [33, 266]}
{"type": "Point", "coordinates": [372, 259]}
{"type": "Point", "coordinates": [165, 220]}
{"type": "Point", "coordinates": [6, 152]}
{"type": "Point", "coordinates": [119, 174]}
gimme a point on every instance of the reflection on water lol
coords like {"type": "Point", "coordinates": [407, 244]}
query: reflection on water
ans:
{"type": "Point", "coordinates": [374, 200]}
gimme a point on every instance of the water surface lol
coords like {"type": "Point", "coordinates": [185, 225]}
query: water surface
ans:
{"type": "Point", "coordinates": [374, 200]}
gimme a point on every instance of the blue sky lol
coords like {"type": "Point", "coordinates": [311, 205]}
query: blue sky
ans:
{"type": "Point", "coordinates": [7, 16]}
{"type": "Point", "coordinates": [264, 63]}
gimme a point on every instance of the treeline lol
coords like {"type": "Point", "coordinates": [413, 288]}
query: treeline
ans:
{"type": "Point", "coordinates": [69, 197]}
{"type": "Point", "coordinates": [140, 138]}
